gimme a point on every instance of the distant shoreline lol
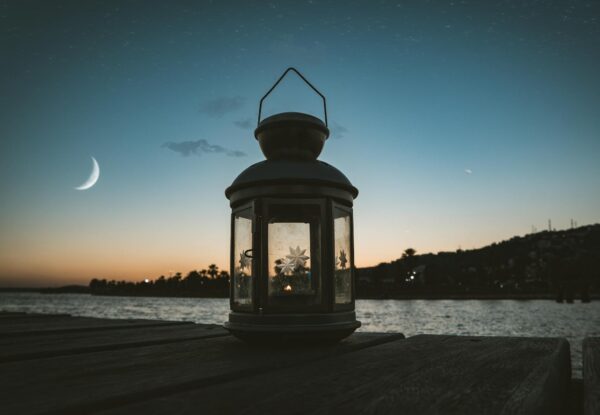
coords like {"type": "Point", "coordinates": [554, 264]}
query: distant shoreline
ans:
{"type": "Point", "coordinates": [542, 296]}
{"type": "Point", "coordinates": [549, 265]}
{"type": "Point", "coordinates": [420, 296]}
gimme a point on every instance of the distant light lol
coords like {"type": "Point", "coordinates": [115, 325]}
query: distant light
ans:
{"type": "Point", "coordinates": [412, 277]}
{"type": "Point", "coordinates": [146, 280]}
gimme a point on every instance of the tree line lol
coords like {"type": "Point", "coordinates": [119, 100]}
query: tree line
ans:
{"type": "Point", "coordinates": [546, 264]}
{"type": "Point", "coordinates": [210, 282]}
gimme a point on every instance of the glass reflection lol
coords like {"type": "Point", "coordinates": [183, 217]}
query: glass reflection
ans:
{"type": "Point", "coordinates": [294, 255]}
{"type": "Point", "coordinates": [343, 260]}
{"type": "Point", "coordinates": [242, 272]}
{"type": "Point", "coordinates": [290, 271]}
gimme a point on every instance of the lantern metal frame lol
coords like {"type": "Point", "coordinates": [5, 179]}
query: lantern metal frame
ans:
{"type": "Point", "coordinates": [292, 177]}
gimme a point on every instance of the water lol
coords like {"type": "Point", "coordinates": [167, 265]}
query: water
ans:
{"type": "Point", "coordinates": [533, 318]}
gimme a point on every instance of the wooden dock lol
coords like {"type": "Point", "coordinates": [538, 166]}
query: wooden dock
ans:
{"type": "Point", "coordinates": [57, 364]}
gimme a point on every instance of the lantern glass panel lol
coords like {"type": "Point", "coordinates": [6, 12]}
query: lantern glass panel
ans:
{"type": "Point", "coordinates": [242, 261]}
{"type": "Point", "coordinates": [294, 255]}
{"type": "Point", "coordinates": [343, 256]}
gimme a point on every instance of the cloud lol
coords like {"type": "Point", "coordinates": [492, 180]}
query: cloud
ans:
{"type": "Point", "coordinates": [337, 130]}
{"type": "Point", "coordinates": [221, 106]}
{"type": "Point", "coordinates": [245, 124]}
{"type": "Point", "coordinates": [468, 171]}
{"type": "Point", "coordinates": [186, 148]}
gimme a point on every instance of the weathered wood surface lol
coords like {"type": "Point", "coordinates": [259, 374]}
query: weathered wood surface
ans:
{"type": "Point", "coordinates": [16, 314]}
{"type": "Point", "coordinates": [62, 323]}
{"type": "Point", "coordinates": [84, 383]}
{"type": "Point", "coordinates": [183, 369]}
{"type": "Point", "coordinates": [591, 376]}
{"type": "Point", "coordinates": [420, 375]}
{"type": "Point", "coordinates": [13, 348]}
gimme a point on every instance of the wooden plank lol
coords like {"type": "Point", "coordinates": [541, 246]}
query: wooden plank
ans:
{"type": "Point", "coordinates": [35, 325]}
{"type": "Point", "coordinates": [420, 375]}
{"type": "Point", "coordinates": [576, 397]}
{"type": "Point", "coordinates": [591, 375]}
{"type": "Point", "coordinates": [4, 314]}
{"type": "Point", "coordinates": [88, 382]}
{"type": "Point", "coordinates": [13, 348]}
{"type": "Point", "coordinates": [13, 316]}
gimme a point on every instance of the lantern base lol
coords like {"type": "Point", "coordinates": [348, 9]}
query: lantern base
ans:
{"type": "Point", "coordinates": [292, 329]}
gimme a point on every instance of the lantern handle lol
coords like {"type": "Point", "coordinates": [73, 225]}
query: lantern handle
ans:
{"type": "Point", "coordinates": [305, 80]}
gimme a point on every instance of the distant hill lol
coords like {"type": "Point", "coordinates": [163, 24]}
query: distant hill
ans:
{"type": "Point", "coordinates": [543, 264]}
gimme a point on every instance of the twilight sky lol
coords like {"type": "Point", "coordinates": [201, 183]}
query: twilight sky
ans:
{"type": "Point", "coordinates": [461, 123]}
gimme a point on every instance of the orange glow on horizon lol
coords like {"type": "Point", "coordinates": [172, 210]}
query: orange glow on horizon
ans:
{"type": "Point", "coordinates": [45, 260]}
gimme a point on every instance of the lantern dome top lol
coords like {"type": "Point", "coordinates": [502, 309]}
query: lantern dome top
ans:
{"type": "Point", "coordinates": [291, 142]}
{"type": "Point", "coordinates": [307, 172]}
{"type": "Point", "coordinates": [291, 135]}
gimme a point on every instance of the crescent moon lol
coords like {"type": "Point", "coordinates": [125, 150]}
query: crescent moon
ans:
{"type": "Point", "coordinates": [94, 176]}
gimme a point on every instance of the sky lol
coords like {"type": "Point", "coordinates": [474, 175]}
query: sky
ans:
{"type": "Point", "coordinates": [461, 123]}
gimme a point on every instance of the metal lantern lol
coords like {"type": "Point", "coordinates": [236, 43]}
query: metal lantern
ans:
{"type": "Point", "coordinates": [292, 248]}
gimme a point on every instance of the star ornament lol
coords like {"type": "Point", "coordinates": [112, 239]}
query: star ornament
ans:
{"type": "Point", "coordinates": [297, 257]}
{"type": "Point", "coordinates": [343, 259]}
{"type": "Point", "coordinates": [244, 261]}
{"type": "Point", "coordinates": [286, 267]}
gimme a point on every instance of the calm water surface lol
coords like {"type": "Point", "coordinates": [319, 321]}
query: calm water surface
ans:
{"type": "Point", "coordinates": [534, 318]}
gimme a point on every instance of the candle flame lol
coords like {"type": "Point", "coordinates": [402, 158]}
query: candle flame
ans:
{"type": "Point", "coordinates": [287, 288]}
